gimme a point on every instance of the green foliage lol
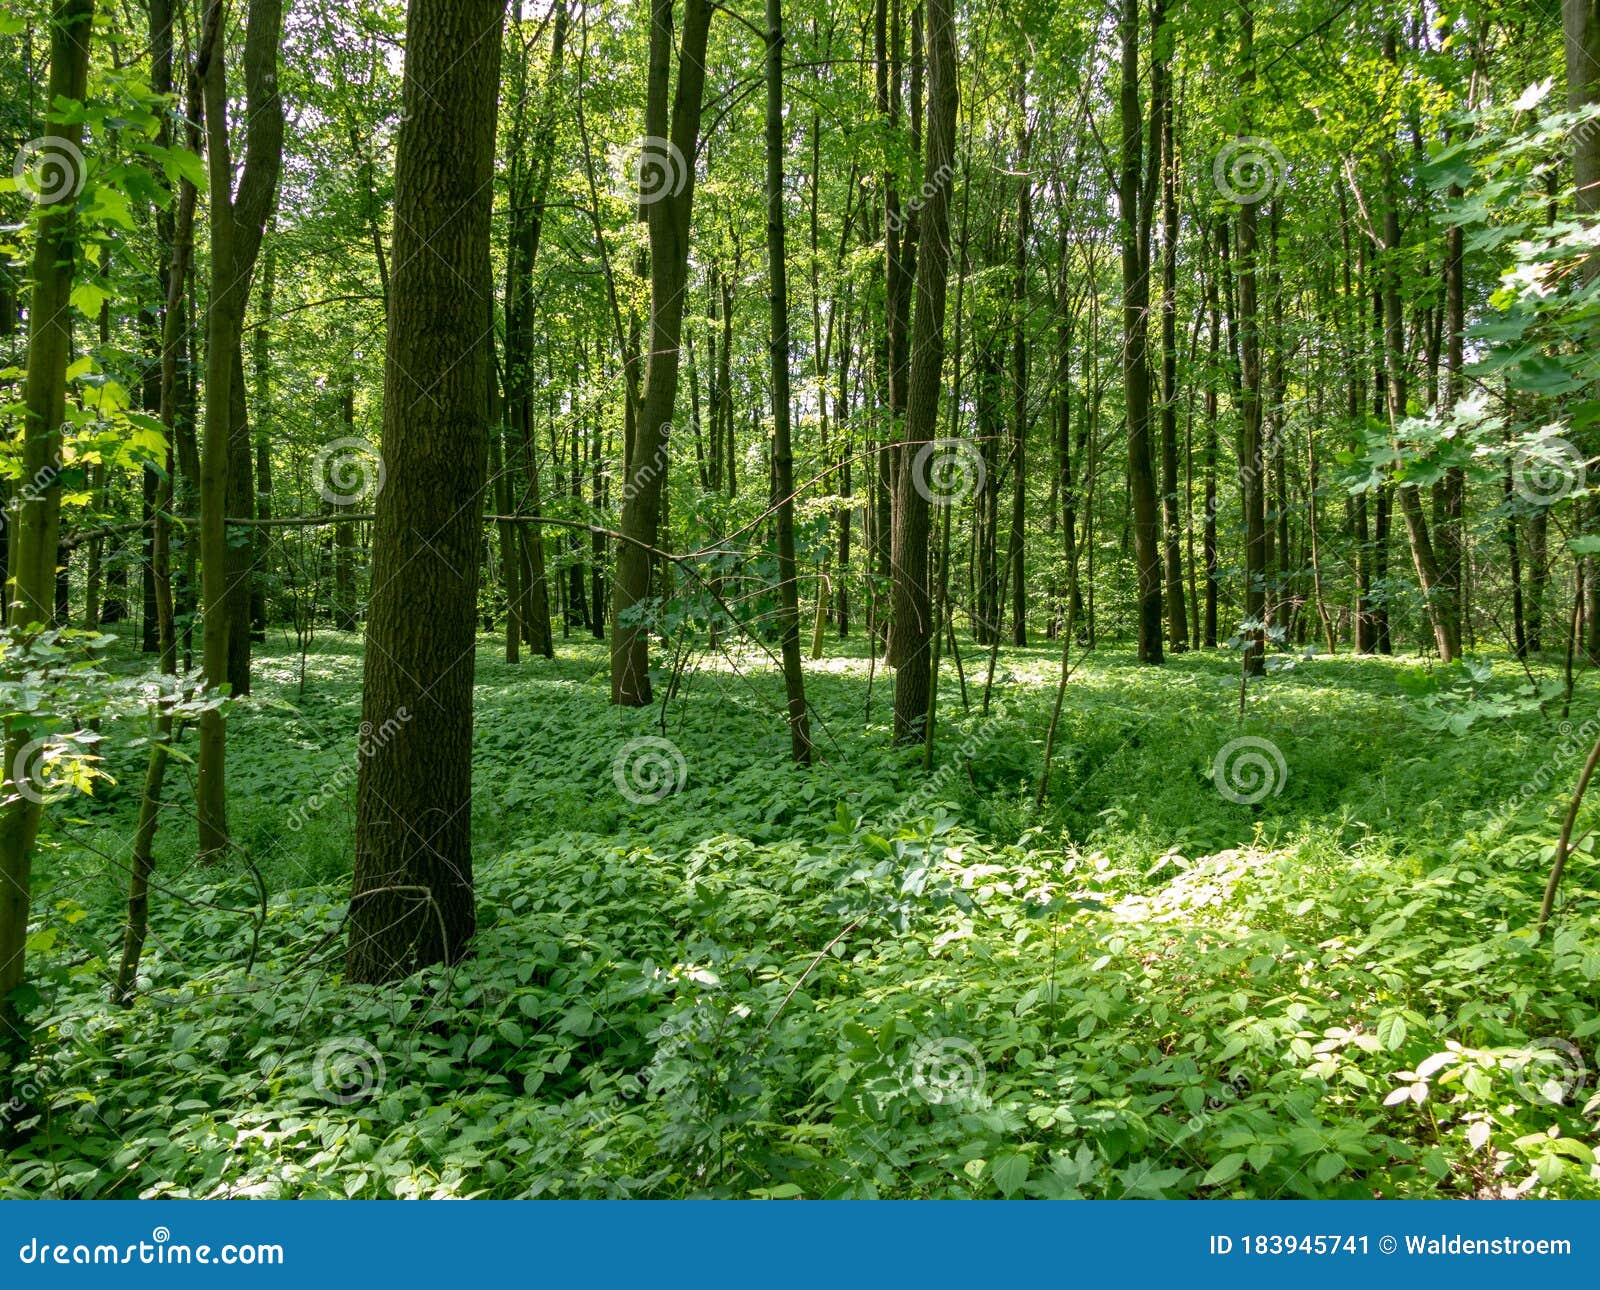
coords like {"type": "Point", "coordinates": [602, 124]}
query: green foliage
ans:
{"type": "Point", "coordinates": [858, 981]}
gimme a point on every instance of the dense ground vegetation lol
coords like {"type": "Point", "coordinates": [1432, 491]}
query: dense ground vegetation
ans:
{"type": "Point", "coordinates": [794, 599]}
{"type": "Point", "coordinates": [852, 980]}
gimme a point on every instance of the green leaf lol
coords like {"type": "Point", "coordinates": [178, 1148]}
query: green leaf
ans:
{"type": "Point", "coordinates": [1226, 1168]}
{"type": "Point", "coordinates": [1009, 1170]}
{"type": "Point", "coordinates": [1392, 1031]}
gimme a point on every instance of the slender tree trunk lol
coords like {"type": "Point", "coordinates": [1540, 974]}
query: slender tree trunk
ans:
{"type": "Point", "coordinates": [1581, 29]}
{"type": "Point", "coordinates": [237, 225]}
{"type": "Point", "coordinates": [1133, 192]}
{"type": "Point", "coordinates": [667, 214]}
{"type": "Point", "coordinates": [240, 538]}
{"type": "Point", "coordinates": [1177, 618]}
{"type": "Point", "coordinates": [344, 588]}
{"type": "Point", "coordinates": [912, 610]}
{"type": "Point", "coordinates": [530, 183]}
{"type": "Point", "coordinates": [1252, 464]}
{"type": "Point", "coordinates": [1019, 382]}
{"type": "Point", "coordinates": [1208, 539]}
{"type": "Point", "coordinates": [778, 352]}
{"type": "Point", "coordinates": [179, 240]}
{"type": "Point", "coordinates": [846, 511]}
{"type": "Point", "coordinates": [1519, 640]}
{"type": "Point", "coordinates": [597, 541]}
{"type": "Point", "coordinates": [261, 394]}
{"type": "Point", "coordinates": [92, 572]}
{"type": "Point", "coordinates": [1445, 634]}
{"type": "Point", "coordinates": [897, 311]}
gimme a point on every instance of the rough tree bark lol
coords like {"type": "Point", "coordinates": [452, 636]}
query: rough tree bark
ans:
{"type": "Point", "coordinates": [1134, 196]}
{"type": "Point", "coordinates": [912, 611]}
{"type": "Point", "coordinates": [411, 900]}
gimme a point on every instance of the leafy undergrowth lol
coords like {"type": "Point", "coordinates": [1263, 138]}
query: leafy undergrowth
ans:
{"type": "Point", "coordinates": [859, 980]}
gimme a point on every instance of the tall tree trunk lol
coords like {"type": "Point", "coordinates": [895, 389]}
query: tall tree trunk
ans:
{"type": "Point", "coordinates": [1133, 193]}
{"type": "Point", "coordinates": [912, 610]}
{"type": "Point", "coordinates": [150, 325]}
{"type": "Point", "coordinates": [897, 305]}
{"type": "Point", "coordinates": [778, 353]}
{"type": "Point", "coordinates": [241, 489]}
{"type": "Point", "coordinates": [1177, 617]}
{"type": "Point", "coordinates": [672, 134]}
{"type": "Point", "coordinates": [846, 511]}
{"type": "Point", "coordinates": [577, 589]}
{"type": "Point", "coordinates": [411, 900]}
{"type": "Point", "coordinates": [597, 540]}
{"type": "Point", "coordinates": [1519, 640]}
{"type": "Point", "coordinates": [1209, 552]}
{"type": "Point", "coordinates": [92, 572]}
{"type": "Point", "coordinates": [178, 241]}
{"type": "Point", "coordinates": [1446, 635]}
{"type": "Point", "coordinates": [510, 554]}
{"type": "Point", "coordinates": [1252, 464]}
{"type": "Point", "coordinates": [530, 183]}
{"type": "Point", "coordinates": [1452, 489]}
{"type": "Point", "coordinates": [36, 521]}
{"type": "Point", "coordinates": [344, 587]}
{"type": "Point", "coordinates": [1066, 470]}
{"type": "Point", "coordinates": [1581, 28]}
{"type": "Point", "coordinates": [1019, 379]}
{"type": "Point", "coordinates": [261, 395]}
{"type": "Point", "coordinates": [237, 225]}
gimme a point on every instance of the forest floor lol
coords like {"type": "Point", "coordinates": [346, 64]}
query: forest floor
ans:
{"type": "Point", "coordinates": [860, 979]}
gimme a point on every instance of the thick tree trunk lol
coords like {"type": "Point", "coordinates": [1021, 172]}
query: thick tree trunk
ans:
{"type": "Point", "coordinates": [411, 901]}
